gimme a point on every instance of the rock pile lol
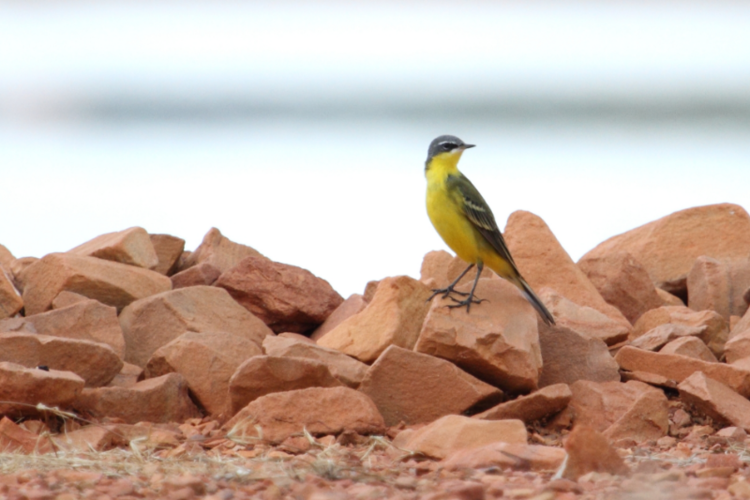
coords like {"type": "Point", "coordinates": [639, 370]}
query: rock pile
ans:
{"type": "Point", "coordinates": [651, 348]}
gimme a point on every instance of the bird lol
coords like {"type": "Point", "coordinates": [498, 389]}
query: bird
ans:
{"type": "Point", "coordinates": [465, 222]}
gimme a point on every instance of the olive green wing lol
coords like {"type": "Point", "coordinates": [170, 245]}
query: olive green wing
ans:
{"type": "Point", "coordinates": [480, 215]}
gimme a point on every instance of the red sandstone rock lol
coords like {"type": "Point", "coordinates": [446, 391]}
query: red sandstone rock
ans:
{"type": "Point", "coordinates": [207, 361]}
{"type": "Point", "coordinates": [738, 347]}
{"type": "Point", "coordinates": [439, 269]}
{"type": "Point", "coordinates": [16, 439]}
{"type": "Point", "coordinates": [128, 376]}
{"type": "Point", "coordinates": [10, 300]}
{"type": "Point", "coordinates": [347, 369]}
{"type": "Point", "coordinates": [29, 386]}
{"type": "Point", "coordinates": [200, 274]}
{"type": "Point", "coordinates": [589, 451]}
{"type": "Point", "coordinates": [715, 400]}
{"type": "Point", "coordinates": [668, 247]}
{"type": "Point", "coordinates": [453, 433]}
{"type": "Point", "coordinates": [623, 282]}
{"type": "Point", "coordinates": [393, 317]}
{"type": "Point", "coordinates": [96, 363]}
{"type": "Point", "coordinates": [160, 399]}
{"type": "Point", "coordinates": [111, 283]}
{"type": "Point", "coordinates": [691, 347]}
{"type": "Point", "coordinates": [157, 320]}
{"type": "Point", "coordinates": [708, 286]}
{"type": "Point", "coordinates": [66, 298]}
{"type": "Point", "coordinates": [6, 257]}
{"type": "Point", "coordinates": [131, 246]}
{"type": "Point", "coordinates": [661, 335]}
{"type": "Point", "coordinates": [411, 387]}
{"type": "Point", "coordinates": [543, 262]}
{"type": "Point", "coordinates": [507, 456]}
{"type": "Point", "coordinates": [678, 368]}
{"type": "Point", "coordinates": [219, 251]}
{"type": "Point", "coordinates": [351, 306]}
{"type": "Point", "coordinates": [569, 356]}
{"type": "Point", "coordinates": [287, 298]}
{"type": "Point", "coordinates": [319, 410]}
{"type": "Point", "coordinates": [18, 269]}
{"type": "Point", "coordinates": [583, 319]}
{"type": "Point", "coordinates": [263, 375]}
{"type": "Point", "coordinates": [168, 251]}
{"type": "Point", "coordinates": [716, 329]}
{"type": "Point", "coordinates": [667, 299]}
{"type": "Point", "coordinates": [537, 405]}
{"type": "Point", "coordinates": [496, 342]}
{"type": "Point", "coordinates": [84, 320]}
{"type": "Point", "coordinates": [631, 410]}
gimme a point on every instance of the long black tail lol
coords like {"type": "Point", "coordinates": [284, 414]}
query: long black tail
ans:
{"type": "Point", "coordinates": [534, 301]}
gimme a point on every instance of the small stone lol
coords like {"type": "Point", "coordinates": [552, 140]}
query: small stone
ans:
{"type": "Point", "coordinates": [716, 400]}
{"type": "Point", "coordinates": [351, 306]}
{"type": "Point", "coordinates": [709, 287]}
{"type": "Point", "coordinates": [452, 433]}
{"type": "Point", "coordinates": [15, 439]}
{"type": "Point", "coordinates": [168, 251]}
{"type": "Point", "coordinates": [413, 387]}
{"type": "Point", "coordinates": [10, 299]}
{"type": "Point", "coordinates": [497, 342]}
{"type": "Point", "coordinates": [286, 298]}
{"type": "Point", "coordinates": [589, 451]}
{"type": "Point", "coordinates": [715, 330]}
{"type": "Point", "coordinates": [537, 405]}
{"type": "Point", "coordinates": [200, 274]}
{"type": "Point", "coordinates": [219, 251]}
{"type": "Point", "coordinates": [160, 399]}
{"type": "Point", "coordinates": [691, 347]}
{"type": "Point", "coordinates": [66, 298]}
{"type": "Point", "coordinates": [131, 246]}
{"type": "Point", "coordinates": [319, 410]}
{"type": "Point", "coordinates": [393, 317]}
{"type": "Point", "coordinates": [507, 456]}
{"type": "Point", "coordinates": [128, 376]}
{"type": "Point", "coordinates": [29, 386]}
{"type": "Point", "coordinates": [261, 375]}
{"type": "Point", "coordinates": [207, 361]}
{"type": "Point", "coordinates": [150, 323]}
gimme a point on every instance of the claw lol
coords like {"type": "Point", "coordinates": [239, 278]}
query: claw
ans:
{"type": "Point", "coordinates": [466, 302]}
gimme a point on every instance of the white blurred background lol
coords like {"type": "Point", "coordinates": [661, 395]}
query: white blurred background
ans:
{"type": "Point", "coordinates": [301, 129]}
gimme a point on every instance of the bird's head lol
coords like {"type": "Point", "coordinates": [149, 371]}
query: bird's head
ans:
{"type": "Point", "coordinates": [446, 148]}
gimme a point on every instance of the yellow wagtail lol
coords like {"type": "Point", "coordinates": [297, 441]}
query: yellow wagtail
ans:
{"type": "Point", "coordinates": [465, 222]}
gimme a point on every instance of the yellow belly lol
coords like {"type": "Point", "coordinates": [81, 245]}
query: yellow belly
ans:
{"type": "Point", "coordinates": [452, 225]}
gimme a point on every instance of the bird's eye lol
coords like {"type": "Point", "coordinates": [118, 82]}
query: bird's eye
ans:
{"type": "Point", "coordinates": [449, 146]}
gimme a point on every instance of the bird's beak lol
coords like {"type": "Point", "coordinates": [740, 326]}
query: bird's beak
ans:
{"type": "Point", "coordinates": [467, 146]}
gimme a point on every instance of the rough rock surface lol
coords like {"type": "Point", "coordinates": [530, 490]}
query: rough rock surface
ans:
{"type": "Point", "coordinates": [452, 433]}
{"type": "Point", "coordinates": [219, 251]}
{"type": "Point", "coordinates": [168, 250]}
{"type": "Point", "coordinates": [623, 282]}
{"type": "Point", "coordinates": [661, 335]}
{"type": "Point", "coordinates": [569, 356]}
{"type": "Point", "coordinates": [535, 406]}
{"type": "Point", "coordinates": [678, 368]}
{"type": "Point", "coordinates": [287, 298]}
{"type": "Point", "coordinates": [709, 287]}
{"type": "Point", "coordinates": [393, 317]}
{"type": "Point", "coordinates": [130, 246]}
{"type": "Point", "coordinates": [160, 399]}
{"type": "Point", "coordinates": [543, 262]}
{"type": "Point", "coordinates": [583, 319]}
{"type": "Point", "coordinates": [319, 410]}
{"type": "Point", "coordinates": [343, 367]}
{"type": "Point", "coordinates": [83, 320]}
{"type": "Point", "coordinates": [714, 335]}
{"type": "Point", "coordinates": [66, 298]}
{"type": "Point", "coordinates": [200, 274]}
{"type": "Point", "coordinates": [10, 301]}
{"type": "Point", "coordinates": [207, 361]}
{"type": "Point", "coordinates": [439, 269]}
{"type": "Point", "coordinates": [95, 363]}
{"type": "Point", "coordinates": [150, 323]}
{"type": "Point", "coordinates": [507, 456]}
{"type": "Point", "coordinates": [691, 347]}
{"type": "Point", "coordinates": [632, 410]}
{"type": "Point", "coordinates": [497, 341]}
{"type": "Point", "coordinates": [28, 386]}
{"type": "Point", "coordinates": [261, 375]}
{"type": "Point", "coordinates": [351, 306]}
{"type": "Point", "coordinates": [668, 247]}
{"type": "Point", "coordinates": [411, 387]}
{"type": "Point", "coordinates": [589, 451]}
{"type": "Point", "coordinates": [715, 400]}
{"type": "Point", "coordinates": [111, 283]}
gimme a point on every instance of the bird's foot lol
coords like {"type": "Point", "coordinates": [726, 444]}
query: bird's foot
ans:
{"type": "Point", "coordinates": [446, 292]}
{"type": "Point", "coordinates": [468, 301]}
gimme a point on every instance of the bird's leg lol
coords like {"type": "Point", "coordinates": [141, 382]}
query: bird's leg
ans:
{"type": "Point", "coordinates": [468, 301]}
{"type": "Point", "coordinates": [449, 289]}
